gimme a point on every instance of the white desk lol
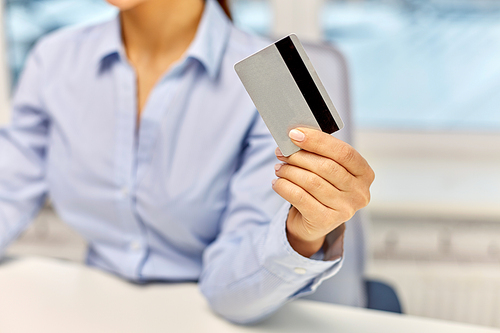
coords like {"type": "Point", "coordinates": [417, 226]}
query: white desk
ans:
{"type": "Point", "coordinates": [44, 295]}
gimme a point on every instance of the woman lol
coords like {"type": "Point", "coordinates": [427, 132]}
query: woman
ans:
{"type": "Point", "coordinates": [149, 147]}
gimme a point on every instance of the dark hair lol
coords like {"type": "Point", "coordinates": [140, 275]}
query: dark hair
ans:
{"type": "Point", "coordinates": [225, 6]}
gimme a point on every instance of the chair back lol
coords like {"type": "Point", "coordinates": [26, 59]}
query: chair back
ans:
{"type": "Point", "coordinates": [347, 287]}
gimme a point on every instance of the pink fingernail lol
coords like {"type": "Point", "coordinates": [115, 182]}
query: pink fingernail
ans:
{"type": "Point", "coordinates": [277, 166]}
{"type": "Point", "coordinates": [297, 135]}
{"type": "Point", "coordinates": [274, 181]}
{"type": "Point", "coordinates": [278, 152]}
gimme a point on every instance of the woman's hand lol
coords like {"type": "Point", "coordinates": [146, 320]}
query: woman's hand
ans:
{"type": "Point", "coordinates": [326, 182]}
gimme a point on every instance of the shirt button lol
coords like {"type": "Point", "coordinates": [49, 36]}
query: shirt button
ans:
{"type": "Point", "coordinates": [125, 191]}
{"type": "Point", "coordinates": [300, 270]}
{"type": "Point", "coordinates": [135, 246]}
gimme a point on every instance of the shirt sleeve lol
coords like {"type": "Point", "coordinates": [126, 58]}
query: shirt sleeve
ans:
{"type": "Point", "coordinates": [23, 146]}
{"type": "Point", "coordinates": [250, 270]}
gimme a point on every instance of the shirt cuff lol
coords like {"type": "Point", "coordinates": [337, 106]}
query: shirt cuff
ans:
{"type": "Point", "coordinates": [283, 261]}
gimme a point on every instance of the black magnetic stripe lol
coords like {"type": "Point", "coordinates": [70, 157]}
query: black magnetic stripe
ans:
{"type": "Point", "coordinates": [306, 85]}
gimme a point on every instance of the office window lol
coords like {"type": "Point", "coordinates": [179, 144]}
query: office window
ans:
{"type": "Point", "coordinates": [254, 16]}
{"type": "Point", "coordinates": [420, 64]}
{"type": "Point", "coordinates": [415, 64]}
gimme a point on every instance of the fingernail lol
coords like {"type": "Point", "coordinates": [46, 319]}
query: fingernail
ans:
{"type": "Point", "coordinates": [296, 135]}
{"type": "Point", "coordinates": [274, 181]}
{"type": "Point", "coordinates": [277, 166]}
{"type": "Point", "coordinates": [278, 152]}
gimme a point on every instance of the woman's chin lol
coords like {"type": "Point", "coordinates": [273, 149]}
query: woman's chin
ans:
{"type": "Point", "coordinates": [125, 4]}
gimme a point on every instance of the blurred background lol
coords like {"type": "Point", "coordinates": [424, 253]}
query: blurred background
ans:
{"type": "Point", "coordinates": [425, 94]}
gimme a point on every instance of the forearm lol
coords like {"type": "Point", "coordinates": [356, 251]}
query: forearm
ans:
{"type": "Point", "coordinates": [14, 218]}
{"type": "Point", "coordinates": [246, 280]}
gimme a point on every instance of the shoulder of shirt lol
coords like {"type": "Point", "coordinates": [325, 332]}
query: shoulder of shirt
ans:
{"type": "Point", "coordinates": [68, 38]}
{"type": "Point", "coordinates": [242, 44]}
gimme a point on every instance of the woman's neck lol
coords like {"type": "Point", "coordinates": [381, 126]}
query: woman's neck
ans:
{"type": "Point", "coordinates": [156, 34]}
{"type": "Point", "coordinates": [156, 28]}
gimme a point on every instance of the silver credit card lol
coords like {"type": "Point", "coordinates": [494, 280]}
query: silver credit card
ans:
{"type": "Point", "coordinates": [287, 91]}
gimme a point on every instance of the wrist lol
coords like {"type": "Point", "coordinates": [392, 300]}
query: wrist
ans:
{"type": "Point", "coordinates": [305, 248]}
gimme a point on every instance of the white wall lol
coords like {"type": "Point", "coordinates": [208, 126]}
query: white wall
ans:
{"type": "Point", "coordinates": [448, 174]}
{"type": "Point", "coordinates": [4, 73]}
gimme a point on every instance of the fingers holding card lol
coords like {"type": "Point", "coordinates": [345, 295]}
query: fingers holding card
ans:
{"type": "Point", "coordinates": [326, 184]}
{"type": "Point", "coordinates": [325, 179]}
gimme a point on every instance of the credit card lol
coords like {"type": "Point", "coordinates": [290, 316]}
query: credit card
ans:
{"type": "Point", "coordinates": [287, 91]}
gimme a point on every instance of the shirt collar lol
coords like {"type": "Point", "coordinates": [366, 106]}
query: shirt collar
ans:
{"type": "Point", "coordinates": [211, 38]}
{"type": "Point", "coordinates": [110, 41]}
{"type": "Point", "coordinates": [207, 47]}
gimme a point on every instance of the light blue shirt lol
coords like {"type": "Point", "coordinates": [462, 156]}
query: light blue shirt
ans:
{"type": "Point", "coordinates": [184, 195]}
